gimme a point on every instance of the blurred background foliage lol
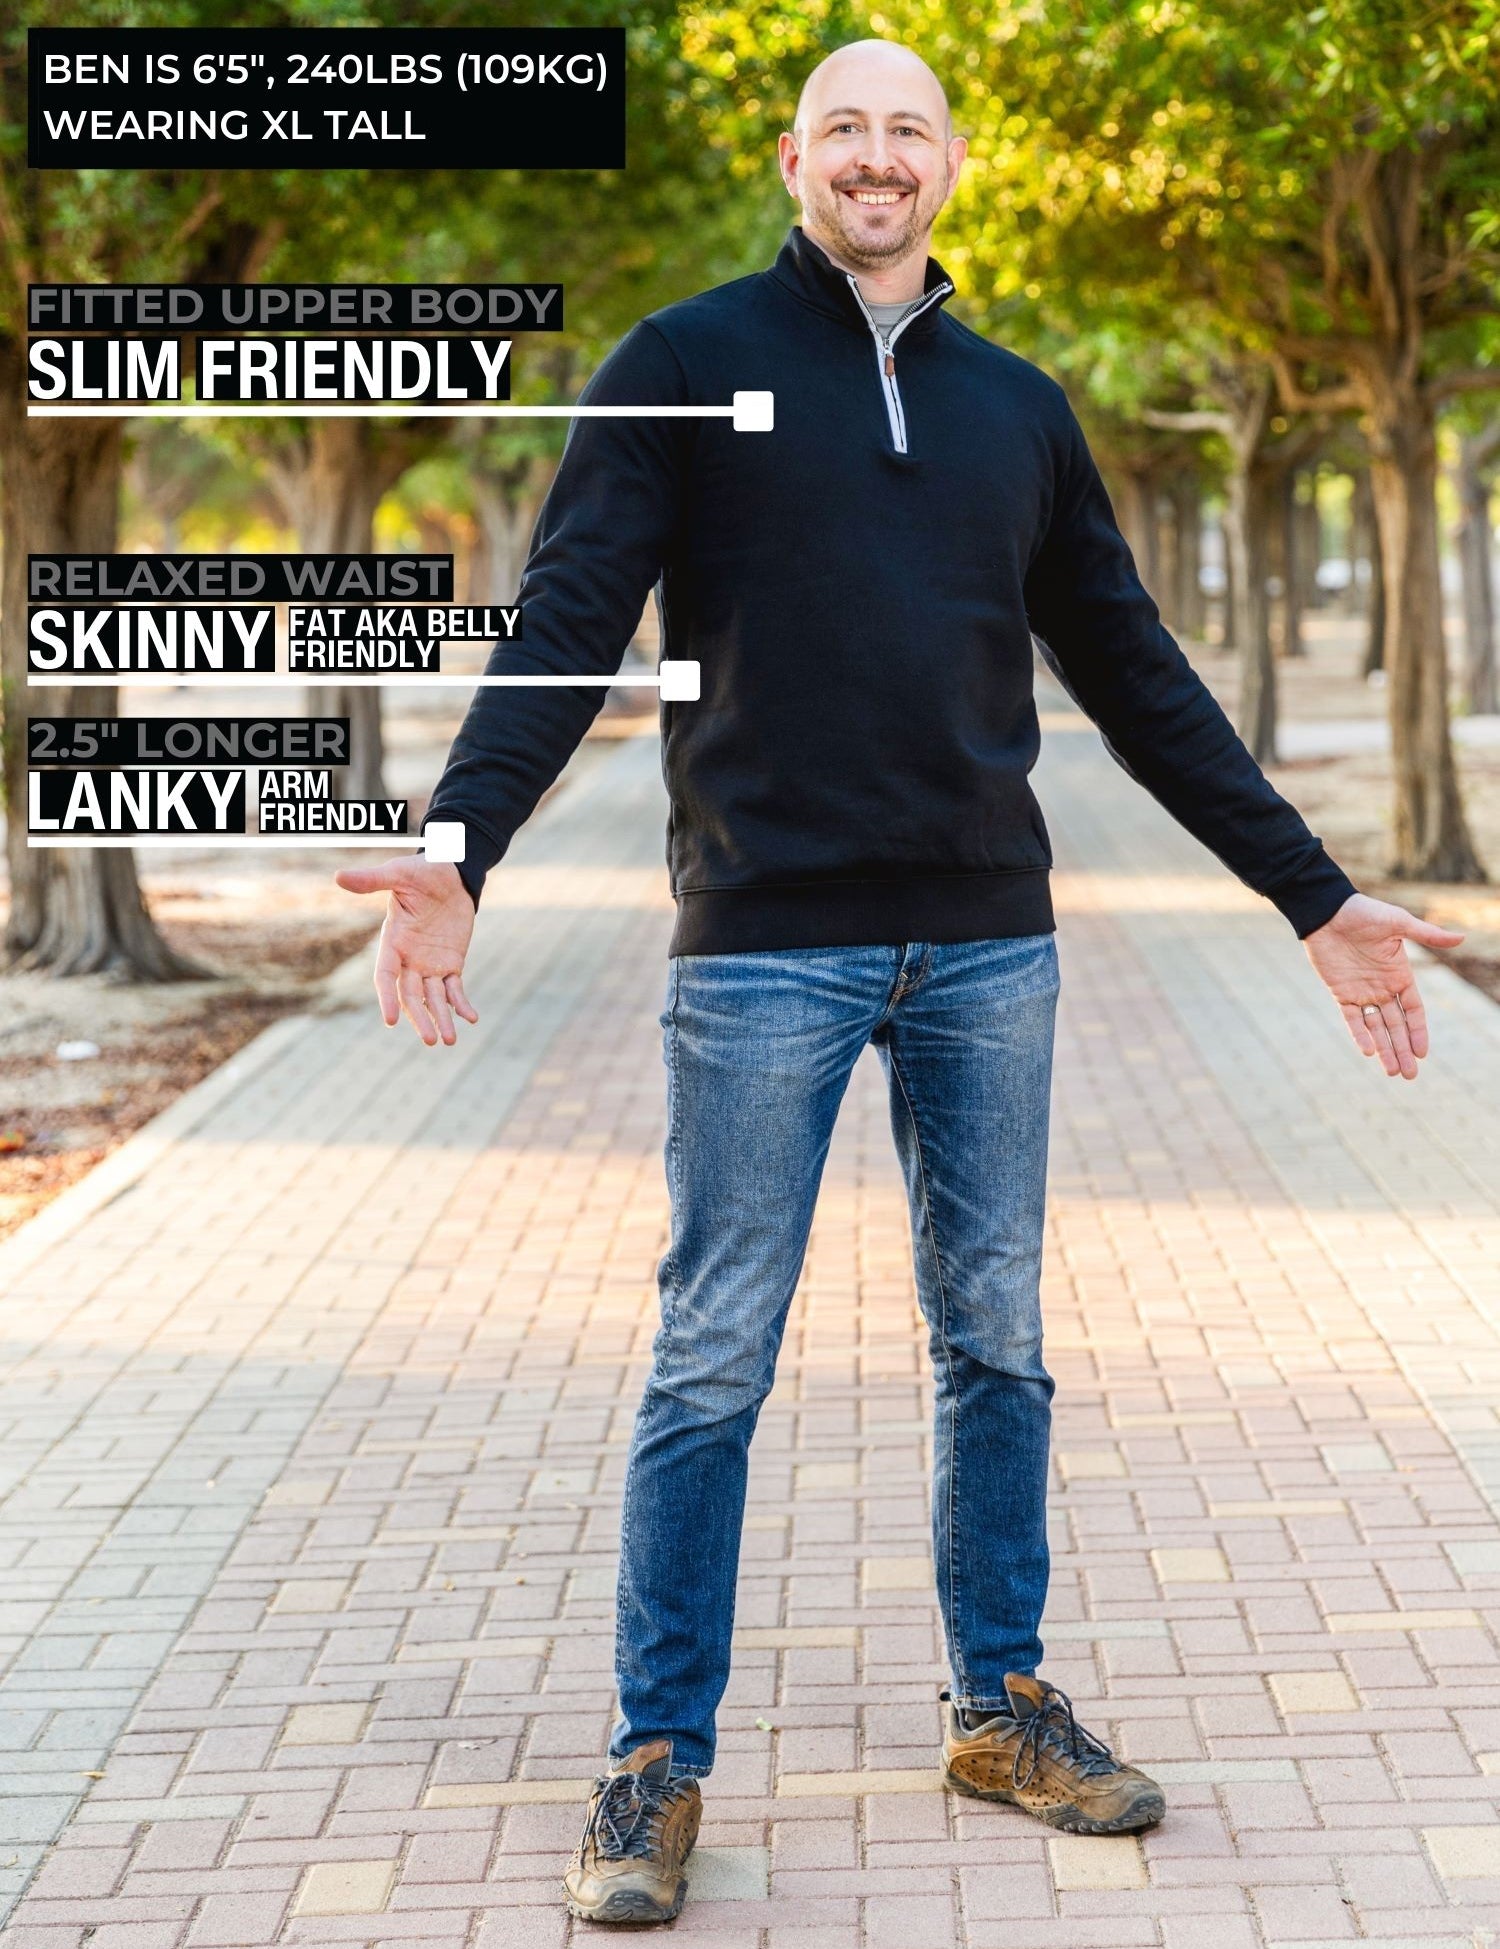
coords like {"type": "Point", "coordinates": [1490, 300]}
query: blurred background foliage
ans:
{"type": "Point", "coordinates": [1259, 245]}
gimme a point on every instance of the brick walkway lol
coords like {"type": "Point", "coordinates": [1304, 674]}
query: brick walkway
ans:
{"type": "Point", "coordinates": [316, 1396]}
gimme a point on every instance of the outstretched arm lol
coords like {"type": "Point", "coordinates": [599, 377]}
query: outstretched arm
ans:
{"type": "Point", "coordinates": [1102, 636]}
{"type": "Point", "coordinates": [600, 542]}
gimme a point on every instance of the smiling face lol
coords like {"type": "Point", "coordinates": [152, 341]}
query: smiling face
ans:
{"type": "Point", "coordinates": [871, 158]}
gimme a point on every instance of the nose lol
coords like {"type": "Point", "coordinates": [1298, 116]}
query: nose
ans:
{"type": "Point", "coordinates": [875, 152]}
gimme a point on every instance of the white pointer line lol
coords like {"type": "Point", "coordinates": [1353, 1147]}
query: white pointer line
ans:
{"type": "Point", "coordinates": [388, 839]}
{"type": "Point", "coordinates": [382, 409]}
{"type": "Point", "coordinates": [678, 678]}
{"type": "Point", "coordinates": [443, 840]}
{"type": "Point", "coordinates": [220, 679]}
{"type": "Point", "coordinates": [752, 412]}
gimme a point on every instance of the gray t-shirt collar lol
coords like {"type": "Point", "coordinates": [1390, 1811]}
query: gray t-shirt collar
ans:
{"type": "Point", "coordinates": [887, 317]}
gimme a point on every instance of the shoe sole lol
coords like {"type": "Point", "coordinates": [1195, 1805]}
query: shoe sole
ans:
{"type": "Point", "coordinates": [1070, 1818]}
{"type": "Point", "coordinates": [629, 1905]}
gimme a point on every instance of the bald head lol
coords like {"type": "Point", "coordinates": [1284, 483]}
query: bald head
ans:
{"type": "Point", "coordinates": [862, 63]}
{"type": "Point", "coordinates": [872, 158]}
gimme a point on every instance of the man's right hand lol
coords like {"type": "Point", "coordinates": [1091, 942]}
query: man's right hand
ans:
{"type": "Point", "coordinates": [419, 964]}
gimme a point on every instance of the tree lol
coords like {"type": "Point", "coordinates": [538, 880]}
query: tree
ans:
{"type": "Point", "coordinates": [1318, 191]}
{"type": "Point", "coordinates": [80, 910]}
{"type": "Point", "coordinates": [1390, 280]}
{"type": "Point", "coordinates": [1243, 422]}
{"type": "Point", "coordinates": [77, 910]}
{"type": "Point", "coordinates": [1263, 458]}
{"type": "Point", "coordinates": [1188, 385]}
{"type": "Point", "coordinates": [74, 910]}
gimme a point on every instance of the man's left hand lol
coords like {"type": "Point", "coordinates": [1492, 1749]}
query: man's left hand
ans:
{"type": "Point", "coordinates": [1359, 954]}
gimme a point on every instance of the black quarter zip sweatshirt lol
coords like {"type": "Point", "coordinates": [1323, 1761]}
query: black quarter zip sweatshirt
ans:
{"type": "Point", "coordinates": [861, 587]}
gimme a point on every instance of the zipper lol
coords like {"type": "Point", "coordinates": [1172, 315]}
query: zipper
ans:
{"type": "Point", "coordinates": [885, 355]}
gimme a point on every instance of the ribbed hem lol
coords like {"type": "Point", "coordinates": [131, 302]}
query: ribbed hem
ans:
{"type": "Point", "coordinates": [864, 913]}
{"type": "Point", "coordinates": [1313, 895]}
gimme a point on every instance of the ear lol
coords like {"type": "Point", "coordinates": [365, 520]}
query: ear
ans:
{"type": "Point", "coordinates": [958, 149]}
{"type": "Point", "coordinates": [790, 162]}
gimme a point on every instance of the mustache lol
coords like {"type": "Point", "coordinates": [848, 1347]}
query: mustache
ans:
{"type": "Point", "coordinates": [864, 183]}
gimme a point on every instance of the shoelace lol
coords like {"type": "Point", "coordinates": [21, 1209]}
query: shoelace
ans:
{"type": "Point", "coordinates": [1053, 1724]}
{"type": "Point", "coordinates": [623, 1820]}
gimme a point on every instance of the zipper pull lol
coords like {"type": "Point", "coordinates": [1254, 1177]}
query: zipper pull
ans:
{"type": "Point", "coordinates": [890, 364]}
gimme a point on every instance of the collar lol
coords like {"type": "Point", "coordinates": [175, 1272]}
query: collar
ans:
{"type": "Point", "coordinates": [807, 270]}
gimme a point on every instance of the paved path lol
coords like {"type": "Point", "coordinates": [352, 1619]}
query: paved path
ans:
{"type": "Point", "coordinates": [1341, 737]}
{"type": "Point", "coordinates": [315, 1400]}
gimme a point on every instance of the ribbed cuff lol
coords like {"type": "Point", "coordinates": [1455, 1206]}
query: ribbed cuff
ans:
{"type": "Point", "coordinates": [1313, 895]}
{"type": "Point", "coordinates": [477, 862]}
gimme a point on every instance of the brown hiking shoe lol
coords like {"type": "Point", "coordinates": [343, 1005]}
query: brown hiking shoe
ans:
{"type": "Point", "coordinates": [641, 1828]}
{"type": "Point", "coordinates": [1038, 1757]}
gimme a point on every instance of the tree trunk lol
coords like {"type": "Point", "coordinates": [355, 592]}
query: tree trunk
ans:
{"type": "Point", "coordinates": [1431, 836]}
{"type": "Point", "coordinates": [1281, 602]}
{"type": "Point", "coordinates": [364, 775]}
{"type": "Point", "coordinates": [1248, 512]}
{"type": "Point", "coordinates": [1169, 594]}
{"type": "Point", "coordinates": [1140, 526]}
{"type": "Point", "coordinates": [1475, 545]}
{"type": "Point", "coordinates": [505, 529]}
{"type": "Point", "coordinates": [1166, 595]}
{"type": "Point", "coordinates": [506, 503]}
{"type": "Point", "coordinates": [1307, 553]}
{"type": "Point", "coordinates": [1364, 546]}
{"type": "Point", "coordinates": [1187, 517]}
{"type": "Point", "coordinates": [345, 493]}
{"type": "Point", "coordinates": [330, 482]}
{"type": "Point", "coordinates": [1291, 567]}
{"type": "Point", "coordinates": [1247, 527]}
{"type": "Point", "coordinates": [74, 910]}
{"type": "Point", "coordinates": [1229, 600]}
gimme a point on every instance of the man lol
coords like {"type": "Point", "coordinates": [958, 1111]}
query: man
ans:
{"type": "Point", "coordinates": [856, 858]}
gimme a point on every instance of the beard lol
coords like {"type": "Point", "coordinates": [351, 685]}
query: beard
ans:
{"type": "Point", "coordinates": [869, 241]}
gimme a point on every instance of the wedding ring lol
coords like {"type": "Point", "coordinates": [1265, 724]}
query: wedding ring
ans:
{"type": "Point", "coordinates": [1371, 1008]}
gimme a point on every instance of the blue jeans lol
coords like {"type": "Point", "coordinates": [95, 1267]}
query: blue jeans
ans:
{"type": "Point", "coordinates": [759, 1049]}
